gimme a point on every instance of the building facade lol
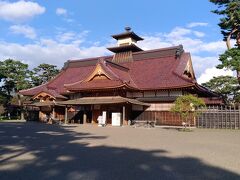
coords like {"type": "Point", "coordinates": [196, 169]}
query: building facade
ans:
{"type": "Point", "coordinates": [120, 88]}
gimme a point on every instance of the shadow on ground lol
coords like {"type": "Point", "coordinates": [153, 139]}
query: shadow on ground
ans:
{"type": "Point", "coordinates": [38, 151]}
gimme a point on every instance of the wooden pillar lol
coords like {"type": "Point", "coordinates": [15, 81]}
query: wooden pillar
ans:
{"type": "Point", "coordinates": [66, 116]}
{"type": "Point", "coordinates": [84, 117]}
{"type": "Point", "coordinates": [124, 114]}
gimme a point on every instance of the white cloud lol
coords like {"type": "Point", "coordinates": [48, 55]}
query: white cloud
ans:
{"type": "Point", "coordinates": [76, 38]}
{"type": "Point", "coordinates": [215, 46]}
{"type": "Point", "coordinates": [48, 51]}
{"type": "Point", "coordinates": [199, 34]}
{"type": "Point", "coordinates": [183, 36]}
{"type": "Point", "coordinates": [153, 42]}
{"type": "Point", "coordinates": [213, 72]}
{"type": "Point", "coordinates": [72, 45]}
{"type": "Point", "coordinates": [196, 24]}
{"type": "Point", "coordinates": [25, 30]}
{"type": "Point", "coordinates": [177, 33]}
{"type": "Point", "coordinates": [19, 11]}
{"type": "Point", "coordinates": [204, 53]}
{"type": "Point", "coordinates": [61, 11]}
{"type": "Point", "coordinates": [68, 36]}
{"type": "Point", "coordinates": [201, 63]}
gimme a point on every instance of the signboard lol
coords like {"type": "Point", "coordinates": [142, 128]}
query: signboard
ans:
{"type": "Point", "coordinates": [104, 116]}
{"type": "Point", "coordinates": [116, 119]}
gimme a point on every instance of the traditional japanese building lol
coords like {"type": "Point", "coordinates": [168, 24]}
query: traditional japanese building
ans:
{"type": "Point", "coordinates": [130, 83]}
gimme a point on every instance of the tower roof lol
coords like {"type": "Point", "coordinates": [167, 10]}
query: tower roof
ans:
{"type": "Point", "coordinates": [131, 47]}
{"type": "Point", "coordinates": [126, 34]}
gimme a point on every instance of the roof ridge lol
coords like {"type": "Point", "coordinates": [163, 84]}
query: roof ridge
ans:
{"type": "Point", "coordinates": [25, 90]}
{"type": "Point", "coordinates": [158, 49]}
{"type": "Point", "coordinates": [104, 66]}
{"type": "Point", "coordinates": [116, 64]}
{"type": "Point", "coordinates": [89, 59]}
{"type": "Point", "coordinates": [110, 56]}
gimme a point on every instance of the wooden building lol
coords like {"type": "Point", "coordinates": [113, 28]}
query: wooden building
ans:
{"type": "Point", "coordinates": [127, 84]}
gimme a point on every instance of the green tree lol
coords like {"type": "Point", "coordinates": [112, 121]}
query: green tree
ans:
{"type": "Point", "coordinates": [14, 77]}
{"type": "Point", "coordinates": [230, 20]}
{"type": "Point", "coordinates": [227, 86]}
{"type": "Point", "coordinates": [186, 106]}
{"type": "Point", "coordinates": [43, 73]}
{"type": "Point", "coordinates": [3, 98]}
{"type": "Point", "coordinates": [229, 10]}
{"type": "Point", "coordinates": [231, 59]}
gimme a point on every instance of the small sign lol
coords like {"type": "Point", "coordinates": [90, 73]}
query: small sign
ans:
{"type": "Point", "coordinates": [116, 119]}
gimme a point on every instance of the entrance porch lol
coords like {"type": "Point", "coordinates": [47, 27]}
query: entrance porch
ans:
{"type": "Point", "coordinates": [114, 110]}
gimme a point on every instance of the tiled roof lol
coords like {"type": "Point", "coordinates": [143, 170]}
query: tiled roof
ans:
{"type": "Point", "coordinates": [154, 69]}
{"type": "Point", "coordinates": [117, 76]}
{"type": "Point", "coordinates": [33, 91]}
{"type": "Point", "coordinates": [40, 89]}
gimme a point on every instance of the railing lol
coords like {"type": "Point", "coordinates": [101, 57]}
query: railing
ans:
{"type": "Point", "coordinates": [220, 117]}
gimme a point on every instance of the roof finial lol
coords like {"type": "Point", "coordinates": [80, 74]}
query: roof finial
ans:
{"type": "Point", "coordinates": [128, 28]}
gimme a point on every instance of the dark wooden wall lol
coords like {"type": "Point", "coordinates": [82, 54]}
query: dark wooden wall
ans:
{"type": "Point", "coordinates": [159, 117]}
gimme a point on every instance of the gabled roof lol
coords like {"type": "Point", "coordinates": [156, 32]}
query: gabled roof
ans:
{"type": "Point", "coordinates": [42, 89]}
{"type": "Point", "coordinates": [116, 76]}
{"type": "Point", "coordinates": [150, 70]}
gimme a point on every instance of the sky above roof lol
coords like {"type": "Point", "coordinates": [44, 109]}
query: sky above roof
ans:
{"type": "Point", "coordinates": [44, 31]}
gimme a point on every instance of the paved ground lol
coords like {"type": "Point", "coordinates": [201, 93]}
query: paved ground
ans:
{"type": "Point", "coordinates": [40, 152]}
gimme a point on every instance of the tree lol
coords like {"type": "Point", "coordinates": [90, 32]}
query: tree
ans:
{"type": "Point", "coordinates": [231, 59]}
{"type": "Point", "coordinates": [230, 28]}
{"type": "Point", "coordinates": [3, 98]}
{"type": "Point", "coordinates": [14, 76]}
{"type": "Point", "coordinates": [186, 106]}
{"type": "Point", "coordinates": [227, 86]}
{"type": "Point", "coordinates": [230, 21]}
{"type": "Point", "coordinates": [43, 73]}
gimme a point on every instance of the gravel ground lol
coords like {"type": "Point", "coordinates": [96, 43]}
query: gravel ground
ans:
{"type": "Point", "coordinates": [41, 151]}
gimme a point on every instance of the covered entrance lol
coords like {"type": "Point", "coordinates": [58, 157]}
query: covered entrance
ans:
{"type": "Point", "coordinates": [114, 110]}
{"type": "Point", "coordinates": [49, 110]}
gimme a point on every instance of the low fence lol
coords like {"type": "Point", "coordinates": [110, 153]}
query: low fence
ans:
{"type": "Point", "coordinates": [220, 117]}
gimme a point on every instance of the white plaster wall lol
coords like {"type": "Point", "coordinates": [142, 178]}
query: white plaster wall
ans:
{"type": "Point", "coordinates": [160, 107]}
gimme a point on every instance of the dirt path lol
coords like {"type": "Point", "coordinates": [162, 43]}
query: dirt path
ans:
{"type": "Point", "coordinates": [39, 151]}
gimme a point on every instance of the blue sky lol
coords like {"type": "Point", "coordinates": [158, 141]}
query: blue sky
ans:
{"type": "Point", "coordinates": [53, 31]}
